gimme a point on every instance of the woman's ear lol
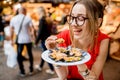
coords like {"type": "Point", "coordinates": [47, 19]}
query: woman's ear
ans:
{"type": "Point", "coordinates": [100, 20]}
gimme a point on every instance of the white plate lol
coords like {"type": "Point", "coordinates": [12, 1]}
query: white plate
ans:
{"type": "Point", "coordinates": [45, 56]}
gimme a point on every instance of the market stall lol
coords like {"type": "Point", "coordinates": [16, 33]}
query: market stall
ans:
{"type": "Point", "coordinates": [111, 26]}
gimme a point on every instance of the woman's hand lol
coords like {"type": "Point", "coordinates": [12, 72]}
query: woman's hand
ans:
{"type": "Point", "coordinates": [91, 76]}
{"type": "Point", "coordinates": [51, 42]}
{"type": "Point", "coordinates": [82, 67]}
{"type": "Point", "coordinates": [86, 73]}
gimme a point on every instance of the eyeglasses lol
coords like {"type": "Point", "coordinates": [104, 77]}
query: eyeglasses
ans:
{"type": "Point", "coordinates": [80, 20]}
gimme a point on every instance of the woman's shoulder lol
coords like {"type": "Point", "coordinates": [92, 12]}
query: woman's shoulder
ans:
{"type": "Point", "coordinates": [64, 33]}
{"type": "Point", "coordinates": [103, 35]}
{"type": "Point", "coordinates": [66, 36]}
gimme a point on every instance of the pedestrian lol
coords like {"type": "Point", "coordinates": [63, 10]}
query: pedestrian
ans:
{"type": "Point", "coordinates": [8, 47]}
{"type": "Point", "coordinates": [43, 33]}
{"type": "Point", "coordinates": [22, 26]}
{"type": "Point", "coordinates": [15, 46]}
{"type": "Point", "coordinates": [84, 21]}
{"type": "Point", "coordinates": [1, 27]}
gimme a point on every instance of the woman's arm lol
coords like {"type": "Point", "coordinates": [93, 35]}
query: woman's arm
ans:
{"type": "Point", "coordinates": [32, 33]}
{"type": "Point", "coordinates": [101, 58]}
{"type": "Point", "coordinates": [40, 26]}
{"type": "Point", "coordinates": [62, 72]}
{"type": "Point", "coordinates": [95, 71]}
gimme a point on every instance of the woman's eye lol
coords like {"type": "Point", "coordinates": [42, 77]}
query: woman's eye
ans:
{"type": "Point", "coordinates": [80, 18]}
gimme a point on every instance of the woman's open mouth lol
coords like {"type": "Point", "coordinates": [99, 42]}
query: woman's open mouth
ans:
{"type": "Point", "coordinates": [76, 32]}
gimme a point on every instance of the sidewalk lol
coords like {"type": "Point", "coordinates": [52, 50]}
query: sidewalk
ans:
{"type": "Point", "coordinates": [111, 69]}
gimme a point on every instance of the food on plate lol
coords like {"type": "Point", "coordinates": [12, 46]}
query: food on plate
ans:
{"type": "Point", "coordinates": [60, 40]}
{"type": "Point", "coordinates": [66, 54]}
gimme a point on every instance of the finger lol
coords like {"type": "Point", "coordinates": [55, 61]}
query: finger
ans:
{"type": "Point", "coordinates": [52, 38]}
{"type": "Point", "coordinates": [50, 44]}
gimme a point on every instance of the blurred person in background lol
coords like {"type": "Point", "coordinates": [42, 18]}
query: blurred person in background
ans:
{"type": "Point", "coordinates": [43, 33]}
{"type": "Point", "coordinates": [15, 46]}
{"type": "Point", "coordinates": [11, 55]}
{"type": "Point", "coordinates": [7, 40]}
{"type": "Point", "coordinates": [1, 27]}
{"type": "Point", "coordinates": [24, 38]}
{"type": "Point", "coordinates": [84, 21]}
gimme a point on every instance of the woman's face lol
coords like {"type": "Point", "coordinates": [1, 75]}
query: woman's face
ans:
{"type": "Point", "coordinates": [78, 26]}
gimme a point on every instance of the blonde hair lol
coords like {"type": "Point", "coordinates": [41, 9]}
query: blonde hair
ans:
{"type": "Point", "coordinates": [41, 11]}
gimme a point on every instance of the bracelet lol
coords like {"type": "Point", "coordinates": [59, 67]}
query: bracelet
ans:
{"type": "Point", "coordinates": [85, 73]}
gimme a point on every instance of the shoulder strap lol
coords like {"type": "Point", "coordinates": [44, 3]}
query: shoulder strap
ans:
{"type": "Point", "coordinates": [21, 25]}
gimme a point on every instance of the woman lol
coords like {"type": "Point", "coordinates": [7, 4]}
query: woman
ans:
{"type": "Point", "coordinates": [43, 34]}
{"type": "Point", "coordinates": [84, 21]}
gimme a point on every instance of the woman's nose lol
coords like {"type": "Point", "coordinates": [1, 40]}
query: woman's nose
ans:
{"type": "Point", "coordinates": [74, 23]}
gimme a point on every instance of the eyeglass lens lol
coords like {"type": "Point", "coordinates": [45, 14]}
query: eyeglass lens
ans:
{"type": "Point", "coordinates": [79, 20]}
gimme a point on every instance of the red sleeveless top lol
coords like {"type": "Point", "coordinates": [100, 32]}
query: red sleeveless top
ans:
{"type": "Point", "coordinates": [73, 70]}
